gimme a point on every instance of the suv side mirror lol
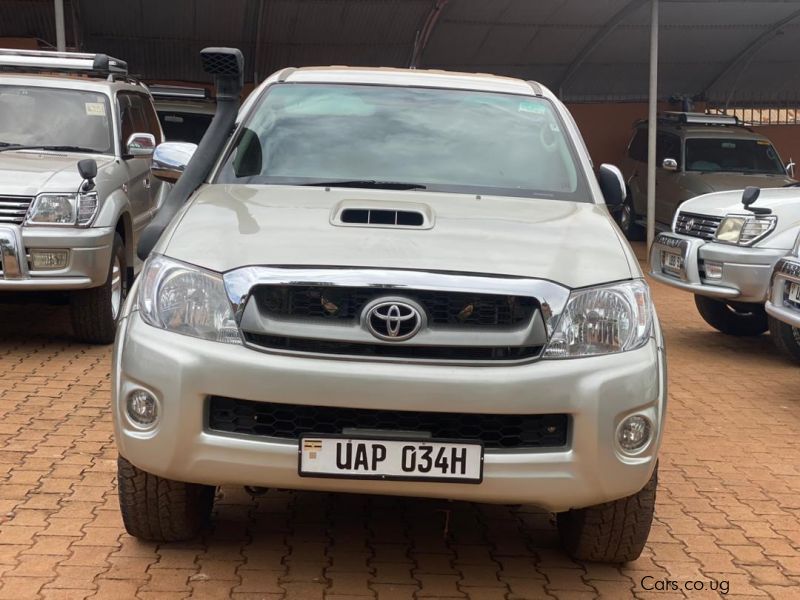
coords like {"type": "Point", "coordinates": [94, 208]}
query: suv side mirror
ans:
{"type": "Point", "coordinates": [669, 164]}
{"type": "Point", "coordinates": [790, 168]}
{"type": "Point", "coordinates": [87, 168]}
{"type": "Point", "coordinates": [612, 184]}
{"type": "Point", "coordinates": [170, 160]}
{"type": "Point", "coordinates": [140, 145]}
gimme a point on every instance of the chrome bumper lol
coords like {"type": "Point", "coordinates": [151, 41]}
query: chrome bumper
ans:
{"type": "Point", "coordinates": [746, 271]}
{"type": "Point", "coordinates": [89, 257]}
{"type": "Point", "coordinates": [787, 271]}
{"type": "Point", "coordinates": [597, 393]}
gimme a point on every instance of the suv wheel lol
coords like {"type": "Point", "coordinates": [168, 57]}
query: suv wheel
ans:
{"type": "Point", "coordinates": [95, 312]}
{"type": "Point", "coordinates": [733, 318]}
{"type": "Point", "coordinates": [161, 510]}
{"type": "Point", "coordinates": [786, 338]}
{"type": "Point", "coordinates": [627, 221]}
{"type": "Point", "coordinates": [612, 532]}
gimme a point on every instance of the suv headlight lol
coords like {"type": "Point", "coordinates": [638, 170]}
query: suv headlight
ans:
{"type": "Point", "coordinates": [603, 320]}
{"type": "Point", "coordinates": [744, 230]}
{"type": "Point", "coordinates": [77, 209]}
{"type": "Point", "coordinates": [185, 299]}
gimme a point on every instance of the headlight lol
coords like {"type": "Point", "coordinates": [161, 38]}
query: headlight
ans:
{"type": "Point", "coordinates": [744, 230]}
{"type": "Point", "coordinates": [603, 320]}
{"type": "Point", "coordinates": [63, 209]}
{"type": "Point", "coordinates": [187, 300]}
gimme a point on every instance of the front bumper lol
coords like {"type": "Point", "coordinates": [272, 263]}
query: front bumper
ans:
{"type": "Point", "coordinates": [746, 271]}
{"type": "Point", "coordinates": [89, 257]}
{"type": "Point", "coordinates": [787, 271]}
{"type": "Point", "coordinates": [597, 393]}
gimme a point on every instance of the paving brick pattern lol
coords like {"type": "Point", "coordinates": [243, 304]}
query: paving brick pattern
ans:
{"type": "Point", "coordinates": [728, 505]}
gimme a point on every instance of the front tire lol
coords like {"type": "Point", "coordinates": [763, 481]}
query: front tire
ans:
{"type": "Point", "coordinates": [95, 312]}
{"type": "Point", "coordinates": [786, 338]}
{"type": "Point", "coordinates": [161, 510]}
{"type": "Point", "coordinates": [732, 318]}
{"type": "Point", "coordinates": [612, 532]}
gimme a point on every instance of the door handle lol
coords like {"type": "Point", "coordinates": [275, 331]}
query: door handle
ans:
{"type": "Point", "coordinates": [147, 183]}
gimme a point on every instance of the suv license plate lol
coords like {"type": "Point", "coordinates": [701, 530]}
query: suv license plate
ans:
{"type": "Point", "coordinates": [794, 292]}
{"type": "Point", "coordinates": [672, 262]}
{"type": "Point", "coordinates": [390, 459]}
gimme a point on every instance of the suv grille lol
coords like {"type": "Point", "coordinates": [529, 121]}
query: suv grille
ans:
{"type": "Point", "coordinates": [443, 308]}
{"type": "Point", "coordinates": [288, 421]}
{"type": "Point", "coordinates": [14, 208]}
{"type": "Point", "coordinates": [701, 226]}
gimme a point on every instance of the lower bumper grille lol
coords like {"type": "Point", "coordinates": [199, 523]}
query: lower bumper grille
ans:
{"type": "Point", "coordinates": [289, 421]}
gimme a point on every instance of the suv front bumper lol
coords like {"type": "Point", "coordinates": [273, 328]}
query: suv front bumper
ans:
{"type": "Point", "coordinates": [597, 393]}
{"type": "Point", "coordinates": [787, 272]}
{"type": "Point", "coordinates": [87, 264]}
{"type": "Point", "coordinates": [746, 271]}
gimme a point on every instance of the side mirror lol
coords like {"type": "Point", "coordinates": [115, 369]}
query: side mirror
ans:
{"type": "Point", "coordinates": [140, 145]}
{"type": "Point", "coordinates": [669, 164]}
{"type": "Point", "coordinates": [170, 160]}
{"type": "Point", "coordinates": [87, 168]}
{"type": "Point", "coordinates": [612, 184]}
{"type": "Point", "coordinates": [790, 168]}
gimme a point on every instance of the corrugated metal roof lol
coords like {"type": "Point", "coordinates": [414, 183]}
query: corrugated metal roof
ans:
{"type": "Point", "coordinates": [539, 39]}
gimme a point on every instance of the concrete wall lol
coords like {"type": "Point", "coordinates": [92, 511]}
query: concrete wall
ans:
{"type": "Point", "coordinates": [607, 130]}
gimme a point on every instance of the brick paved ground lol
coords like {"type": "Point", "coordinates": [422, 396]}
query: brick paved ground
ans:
{"type": "Point", "coordinates": [728, 505]}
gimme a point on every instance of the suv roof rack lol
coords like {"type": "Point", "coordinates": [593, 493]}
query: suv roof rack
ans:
{"type": "Point", "coordinates": [179, 92]}
{"type": "Point", "coordinates": [691, 118]}
{"type": "Point", "coordinates": [95, 65]}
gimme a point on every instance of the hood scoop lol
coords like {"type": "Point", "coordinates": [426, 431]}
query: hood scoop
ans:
{"type": "Point", "coordinates": [403, 215]}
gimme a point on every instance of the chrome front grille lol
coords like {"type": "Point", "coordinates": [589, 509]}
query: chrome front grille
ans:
{"type": "Point", "coordinates": [335, 313]}
{"type": "Point", "coordinates": [346, 303]}
{"type": "Point", "coordinates": [14, 208]}
{"type": "Point", "coordinates": [700, 226]}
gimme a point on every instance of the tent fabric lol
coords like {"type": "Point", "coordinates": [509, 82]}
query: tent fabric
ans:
{"type": "Point", "coordinates": [586, 50]}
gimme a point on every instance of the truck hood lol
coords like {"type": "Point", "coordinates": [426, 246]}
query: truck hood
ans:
{"type": "Point", "coordinates": [782, 201]}
{"type": "Point", "coordinates": [27, 173]}
{"type": "Point", "coordinates": [704, 183]}
{"type": "Point", "coordinates": [230, 226]}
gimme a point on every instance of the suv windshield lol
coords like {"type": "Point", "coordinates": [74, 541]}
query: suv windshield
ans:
{"type": "Point", "coordinates": [740, 156]}
{"type": "Point", "coordinates": [406, 138]}
{"type": "Point", "coordinates": [36, 116]}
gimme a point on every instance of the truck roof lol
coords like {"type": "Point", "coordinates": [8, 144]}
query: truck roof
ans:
{"type": "Point", "coordinates": [71, 82]}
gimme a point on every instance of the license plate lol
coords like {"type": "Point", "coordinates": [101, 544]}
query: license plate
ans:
{"type": "Point", "coordinates": [672, 262]}
{"type": "Point", "coordinates": [390, 459]}
{"type": "Point", "coordinates": [794, 292]}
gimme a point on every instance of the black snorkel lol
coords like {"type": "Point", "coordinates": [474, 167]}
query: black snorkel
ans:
{"type": "Point", "coordinates": [227, 67]}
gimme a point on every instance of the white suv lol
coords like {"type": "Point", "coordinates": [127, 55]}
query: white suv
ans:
{"type": "Point", "coordinates": [391, 282]}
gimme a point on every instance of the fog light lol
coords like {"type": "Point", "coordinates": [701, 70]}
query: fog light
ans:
{"type": "Point", "coordinates": [142, 407]}
{"type": "Point", "coordinates": [633, 433]}
{"type": "Point", "coordinates": [49, 260]}
{"type": "Point", "coordinates": [713, 270]}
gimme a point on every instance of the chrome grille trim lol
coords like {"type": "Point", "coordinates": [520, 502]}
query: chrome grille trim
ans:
{"type": "Point", "coordinates": [14, 208]}
{"type": "Point", "coordinates": [550, 297]}
{"type": "Point", "coordinates": [700, 226]}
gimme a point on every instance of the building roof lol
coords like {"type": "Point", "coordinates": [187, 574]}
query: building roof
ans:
{"type": "Point", "coordinates": [725, 50]}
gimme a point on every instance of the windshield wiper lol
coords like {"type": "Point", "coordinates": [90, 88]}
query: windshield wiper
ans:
{"type": "Point", "coordinates": [6, 146]}
{"type": "Point", "coordinates": [369, 183]}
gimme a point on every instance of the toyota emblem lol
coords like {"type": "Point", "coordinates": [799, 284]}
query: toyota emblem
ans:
{"type": "Point", "coordinates": [393, 320]}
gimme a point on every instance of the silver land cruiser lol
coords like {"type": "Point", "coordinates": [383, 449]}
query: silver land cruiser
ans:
{"type": "Point", "coordinates": [723, 248]}
{"type": "Point", "coordinates": [783, 304]}
{"type": "Point", "coordinates": [76, 140]}
{"type": "Point", "coordinates": [390, 282]}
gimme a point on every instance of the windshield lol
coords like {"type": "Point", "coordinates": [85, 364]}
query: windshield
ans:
{"type": "Point", "coordinates": [37, 116]}
{"type": "Point", "coordinates": [739, 156]}
{"type": "Point", "coordinates": [406, 138]}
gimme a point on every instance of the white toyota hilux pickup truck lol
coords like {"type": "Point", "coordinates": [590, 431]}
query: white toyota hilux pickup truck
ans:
{"type": "Point", "coordinates": [389, 281]}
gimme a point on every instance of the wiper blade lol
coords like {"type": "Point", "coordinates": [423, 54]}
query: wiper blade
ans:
{"type": "Point", "coordinates": [369, 183]}
{"type": "Point", "coordinates": [5, 146]}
